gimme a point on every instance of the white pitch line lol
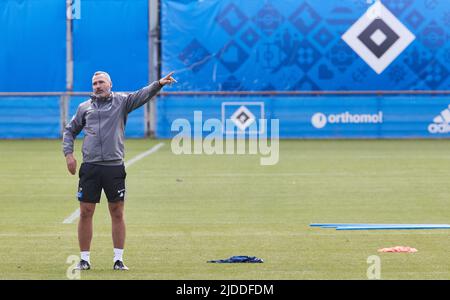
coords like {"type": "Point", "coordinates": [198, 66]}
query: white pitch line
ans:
{"type": "Point", "coordinates": [72, 217]}
{"type": "Point", "coordinates": [144, 154]}
{"type": "Point", "coordinates": [76, 213]}
{"type": "Point", "coordinates": [222, 234]}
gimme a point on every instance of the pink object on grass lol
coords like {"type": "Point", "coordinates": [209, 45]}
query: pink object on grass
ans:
{"type": "Point", "coordinates": [399, 249]}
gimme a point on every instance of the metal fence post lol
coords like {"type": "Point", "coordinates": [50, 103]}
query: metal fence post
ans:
{"type": "Point", "coordinates": [64, 100]}
{"type": "Point", "coordinates": [153, 63]}
{"type": "Point", "coordinates": [63, 108]}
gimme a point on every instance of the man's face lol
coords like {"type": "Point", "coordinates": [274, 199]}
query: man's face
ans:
{"type": "Point", "coordinates": [101, 86]}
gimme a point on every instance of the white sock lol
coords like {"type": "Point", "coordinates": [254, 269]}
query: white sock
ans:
{"type": "Point", "coordinates": [118, 254]}
{"type": "Point", "coordinates": [85, 256]}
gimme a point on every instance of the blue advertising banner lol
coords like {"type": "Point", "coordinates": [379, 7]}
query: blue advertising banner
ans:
{"type": "Point", "coordinates": [39, 117]}
{"type": "Point", "coordinates": [29, 117]}
{"type": "Point", "coordinates": [310, 116]}
{"type": "Point", "coordinates": [315, 45]}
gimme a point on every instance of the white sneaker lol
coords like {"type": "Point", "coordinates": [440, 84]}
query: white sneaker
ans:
{"type": "Point", "coordinates": [118, 265]}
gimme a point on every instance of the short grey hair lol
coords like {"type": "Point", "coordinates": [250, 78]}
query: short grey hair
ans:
{"type": "Point", "coordinates": [102, 73]}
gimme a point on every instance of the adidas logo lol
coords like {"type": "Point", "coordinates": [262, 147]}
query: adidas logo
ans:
{"type": "Point", "coordinates": [441, 123]}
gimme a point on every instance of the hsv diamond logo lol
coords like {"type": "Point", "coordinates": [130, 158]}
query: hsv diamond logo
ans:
{"type": "Point", "coordinates": [378, 37]}
{"type": "Point", "coordinates": [243, 118]}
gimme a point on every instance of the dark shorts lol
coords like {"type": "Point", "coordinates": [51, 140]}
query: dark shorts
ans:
{"type": "Point", "coordinates": [94, 178]}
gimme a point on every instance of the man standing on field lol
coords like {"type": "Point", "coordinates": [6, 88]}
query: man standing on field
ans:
{"type": "Point", "coordinates": [103, 118]}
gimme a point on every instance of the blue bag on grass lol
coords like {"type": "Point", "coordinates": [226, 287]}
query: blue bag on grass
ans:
{"type": "Point", "coordinates": [238, 259]}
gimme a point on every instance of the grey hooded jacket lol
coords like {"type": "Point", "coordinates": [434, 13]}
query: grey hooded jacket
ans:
{"type": "Point", "coordinates": [103, 121]}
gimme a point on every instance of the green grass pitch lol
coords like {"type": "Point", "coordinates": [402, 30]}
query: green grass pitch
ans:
{"type": "Point", "coordinates": [182, 210]}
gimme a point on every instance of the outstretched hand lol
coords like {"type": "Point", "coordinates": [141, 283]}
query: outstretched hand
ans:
{"type": "Point", "coordinates": [167, 80]}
